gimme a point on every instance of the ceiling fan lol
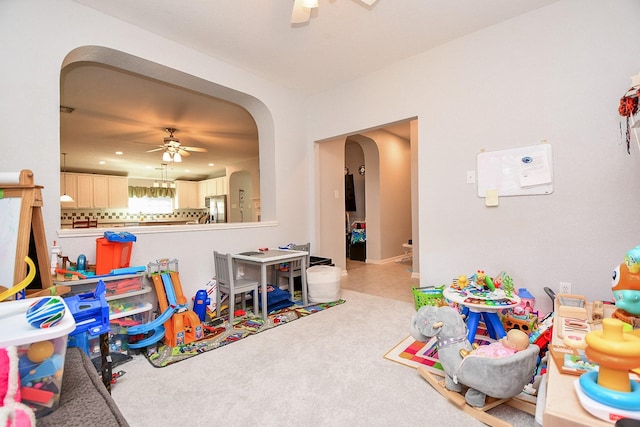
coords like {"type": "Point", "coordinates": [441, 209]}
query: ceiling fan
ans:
{"type": "Point", "coordinates": [173, 150]}
{"type": "Point", "coordinates": [302, 9]}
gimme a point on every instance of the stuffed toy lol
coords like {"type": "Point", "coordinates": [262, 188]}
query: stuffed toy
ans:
{"type": "Point", "coordinates": [483, 376]}
{"type": "Point", "coordinates": [515, 341]}
{"type": "Point", "coordinates": [13, 413]}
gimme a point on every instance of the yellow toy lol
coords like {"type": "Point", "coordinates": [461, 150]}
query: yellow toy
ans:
{"type": "Point", "coordinates": [24, 283]}
{"type": "Point", "coordinates": [609, 393]}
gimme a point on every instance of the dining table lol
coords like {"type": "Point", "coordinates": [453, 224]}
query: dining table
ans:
{"type": "Point", "coordinates": [272, 257]}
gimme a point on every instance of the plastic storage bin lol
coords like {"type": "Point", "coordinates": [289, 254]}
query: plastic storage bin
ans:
{"type": "Point", "coordinates": [118, 338]}
{"type": "Point", "coordinates": [123, 286]}
{"type": "Point", "coordinates": [111, 255]}
{"type": "Point", "coordinates": [323, 282]}
{"type": "Point", "coordinates": [429, 295]}
{"type": "Point", "coordinates": [41, 354]}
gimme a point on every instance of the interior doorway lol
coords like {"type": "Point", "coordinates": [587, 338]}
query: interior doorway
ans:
{"type": "Point", "coordinates": [389, 198]}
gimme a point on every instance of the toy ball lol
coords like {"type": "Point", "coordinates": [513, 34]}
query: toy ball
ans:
{"type": "Point", "coordinates": [45, 312]}
{"type": "Point", "coordinates": [40, 351]}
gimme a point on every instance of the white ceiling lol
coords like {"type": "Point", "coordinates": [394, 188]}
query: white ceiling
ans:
{"type": "Point", "coordinates": [343, 40]}
{"type": "Point", "coordinates": [120, 111]}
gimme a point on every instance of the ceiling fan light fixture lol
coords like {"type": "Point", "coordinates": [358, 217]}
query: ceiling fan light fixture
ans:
{"type": "Point", "coordinates": [166, 157]}
{"type": "Point", "coordinates": [177, 157]}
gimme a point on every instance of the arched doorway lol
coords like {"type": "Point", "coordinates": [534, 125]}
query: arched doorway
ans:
{"type": "Point", "coordinates": [390, 195]}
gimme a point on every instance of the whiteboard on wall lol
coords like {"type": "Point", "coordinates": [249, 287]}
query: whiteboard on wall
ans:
{"type": "Point", "coordinates": [519, 171]}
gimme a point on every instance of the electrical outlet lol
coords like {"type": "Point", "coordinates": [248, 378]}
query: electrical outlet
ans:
{"type": "Point", "coordinates": [565, 288]}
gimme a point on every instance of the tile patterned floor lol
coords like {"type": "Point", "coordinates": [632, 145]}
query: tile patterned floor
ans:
{"type": "Point", "coordinates": [390, 280]}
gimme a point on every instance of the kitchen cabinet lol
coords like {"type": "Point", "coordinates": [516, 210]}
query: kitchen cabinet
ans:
{"type": "Point", "coordinates": [221, 186]}
{"type": "Point", "coordinates": [85, 191]}
{"type": "Point", "coordinates": [69, 186]}
{"type": "Point", "coordinates": [204, 188]}
{"type": "Point", "coordinates": [100, 185]}
{"type": "Point", "coordinates": [211, 187]}
{"type": "Point", "coordinates": [118, 192]}
{"type": "Point", "coordinates": [95, 191]}
{"type": "Point", "coordinates": [187, 195]}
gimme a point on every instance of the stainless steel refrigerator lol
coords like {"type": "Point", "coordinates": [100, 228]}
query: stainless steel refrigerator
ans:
{"type": "Point", "coordinates": [217, 208]}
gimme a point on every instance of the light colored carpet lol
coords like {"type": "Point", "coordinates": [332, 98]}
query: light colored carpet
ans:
{"type": "Point", "coordinates": [322, 370]}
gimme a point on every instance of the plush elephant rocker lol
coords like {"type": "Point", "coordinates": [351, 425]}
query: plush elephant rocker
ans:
{"type": "Point", "coordinates": [501, 378]}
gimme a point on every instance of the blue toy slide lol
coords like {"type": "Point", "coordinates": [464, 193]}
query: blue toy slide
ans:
{"type": "Point", "coordinates": [158, 334]}
{"type": "Point", "coordinates": [155, 325]}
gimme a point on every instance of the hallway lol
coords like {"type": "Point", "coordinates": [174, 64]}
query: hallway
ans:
{"type": "Point", "coordinates": [391, 280]}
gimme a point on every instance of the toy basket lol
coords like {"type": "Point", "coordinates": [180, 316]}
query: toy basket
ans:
{"type": "Point", "coordinates": [429, 295]}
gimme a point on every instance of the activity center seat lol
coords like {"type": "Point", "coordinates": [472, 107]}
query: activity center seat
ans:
{"type": "Point", "coordinates": [474, 383]}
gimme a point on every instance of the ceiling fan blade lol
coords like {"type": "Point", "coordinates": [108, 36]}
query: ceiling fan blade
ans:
{"type": "Point", "coordinates": [368, 2]}
{"type": "Point", "coordinates": [155, 149]}
{"type": "Point", "coordinates": [183, 152]}
{"type": "Point", "coordinates": [300, 13]}
{"type": "Point", "coordinates": [198, 149]}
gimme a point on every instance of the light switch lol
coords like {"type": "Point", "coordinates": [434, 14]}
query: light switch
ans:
{"type": "Point", "coordinates": [471, 177]}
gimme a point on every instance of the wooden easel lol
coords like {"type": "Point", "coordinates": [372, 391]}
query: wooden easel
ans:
{"type": "Point", "coordinates": [30, 221]}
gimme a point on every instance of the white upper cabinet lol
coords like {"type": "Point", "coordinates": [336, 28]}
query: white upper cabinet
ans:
{"type": "Point", "coordinates": [94, 191]}
{"type": "Point", "coordinates": [187, 195]}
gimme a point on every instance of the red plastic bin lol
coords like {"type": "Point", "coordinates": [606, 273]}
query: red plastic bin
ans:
{"type": "Point", "coordinates": [111, 255]}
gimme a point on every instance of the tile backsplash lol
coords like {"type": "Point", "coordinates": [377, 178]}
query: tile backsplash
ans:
{"type": "Point", "coordinates": [123, 215]}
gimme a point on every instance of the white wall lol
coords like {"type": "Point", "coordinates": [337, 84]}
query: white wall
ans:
{"type": "Point", "coordinates": [556, 74]}
{"type": "Point", "coordinates": [37, 36]}
{"type": "Point", "coordinates": [394, 191]}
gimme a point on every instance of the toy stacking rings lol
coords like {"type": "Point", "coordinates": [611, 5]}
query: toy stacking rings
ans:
{"type": "Point", "coordinates": [615, 399]}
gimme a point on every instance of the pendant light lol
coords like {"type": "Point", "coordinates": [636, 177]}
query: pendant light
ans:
{"type": "Point", "coordinates": [65, 197]}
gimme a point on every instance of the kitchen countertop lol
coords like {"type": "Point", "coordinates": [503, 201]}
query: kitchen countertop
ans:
{"type": "Point", "coordinates": [114, 224]}
{"type": "Point", "coordinates": [157, 222]}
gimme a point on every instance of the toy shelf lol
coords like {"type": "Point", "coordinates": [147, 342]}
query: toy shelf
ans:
{"type": "Point", "coordinates": [145, 290]}
{"type": "Point", "coordinates": [142, 309]}
{"type": "Point", "coordinates": [130, 288]}
{"type": "Point", "coordinates": [111, 282]}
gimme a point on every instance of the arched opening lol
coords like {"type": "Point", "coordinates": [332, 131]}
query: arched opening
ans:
{"type": "Point", "coordinates": [261, 168]}
{"type": "Point", "coordinates": [390, 194]}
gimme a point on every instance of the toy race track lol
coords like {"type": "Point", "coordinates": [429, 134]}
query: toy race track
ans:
{"type": "Point", "coordinates": [155, 325]}
{"type": "Point", "coordinates": [177, 324]}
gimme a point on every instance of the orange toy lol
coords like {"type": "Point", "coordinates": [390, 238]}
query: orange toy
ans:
{"type": "Point", "coordinates": [184, 326]}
